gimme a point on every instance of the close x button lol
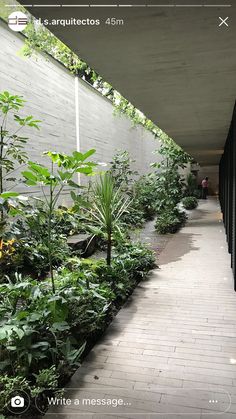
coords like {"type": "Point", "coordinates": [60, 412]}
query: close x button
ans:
{"type": "Point", "coordinates": [224, 21]}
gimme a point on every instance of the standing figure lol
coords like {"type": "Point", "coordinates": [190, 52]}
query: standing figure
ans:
{"type": "Point", "coordinates": [205, 188]}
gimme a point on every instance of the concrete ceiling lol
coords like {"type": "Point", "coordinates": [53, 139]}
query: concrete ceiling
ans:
{"type": "Point", "coordinates": [173, 63]}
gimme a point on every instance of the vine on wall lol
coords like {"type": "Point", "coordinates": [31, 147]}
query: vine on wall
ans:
{"type": "Point", "coordinates": [38, 39]}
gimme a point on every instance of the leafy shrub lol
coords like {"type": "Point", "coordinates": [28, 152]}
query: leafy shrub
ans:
{"type": "Point", "coordinates": [135, 258]}
{"type": "Point", "coordinates": [170, 221]}
{"type": "Point", "coordinates": [131, 263]}
{"type": "Point", "coordinates": [190, 202]}
{"type": "Point", "coordinates": [108, 205]}
{"type": "Point", "coordinates": [191, 185]}
{"type": "Point", "coordinates": [31, 244]}
{"type": "Point", "coordinates": [169, 181]}
{"type": "Point", "coordinates": [61, 173]}
{"type": "Point", "coordinates": [135, 216]}
{"type": "Point", "coordinates": [10, 258]}
{"type": "Point", "coordinates": [43, 334]}
{"type": "Point", "coordinates": [35, 254]}
{"type": "Point", "coordinates": [88, 299]}
{"type": "Point", "coordinates": [146, 195]}
{"type": "Point", "coordinates": [169, 189]}
{"type": "Point", "coordinates": [12, 150]}
{"type": "Point", "coordinates": [40, 329]}
{"type": "Point", "coordinates": [121, 171]}
{"type": "Point", "coordinates": [142, 192]}
{"type": "Point", "coordinates": [29, 255]}
{"type": "Point", "coordinates": [66, 221]}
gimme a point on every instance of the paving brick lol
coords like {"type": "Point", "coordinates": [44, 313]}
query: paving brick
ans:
{"type": "Point", "coordinates": [143, 346]}
{"type": "Point", "coordinates": [197, 377]}
{"type": "Point", "coordinates": [120, 367]}
{"type": "Point", "coordinates": [173, 344]}
{"type": "Point", "coordinates": [224, 369]}
{"type": "Point", "coordinates": [218, 407]}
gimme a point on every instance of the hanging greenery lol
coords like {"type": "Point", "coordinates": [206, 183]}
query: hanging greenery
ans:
{"type": "Point", "coordinates": [38, 39]}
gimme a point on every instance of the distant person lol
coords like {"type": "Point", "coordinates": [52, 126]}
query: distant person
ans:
{"type": "Point", "coordinates": [205, 188]}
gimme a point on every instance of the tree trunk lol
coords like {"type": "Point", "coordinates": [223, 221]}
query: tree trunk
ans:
{"type": "Point", "coordinates": [50, 238]}
{"type": "Point", "coordinates": [109, 248]}
{"type": "Point", "coordinates": [1, 168]}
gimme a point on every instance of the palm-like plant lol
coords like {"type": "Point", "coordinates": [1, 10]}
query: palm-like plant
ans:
{"type": "Point", "coordinates": [109, 204]}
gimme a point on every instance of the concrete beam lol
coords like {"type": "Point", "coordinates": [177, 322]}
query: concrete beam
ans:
{"type": "Point", "coordinates": [176, 64]}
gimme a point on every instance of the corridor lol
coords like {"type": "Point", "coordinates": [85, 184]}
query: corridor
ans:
{"type": "Point", "coordinates": [171, 351]}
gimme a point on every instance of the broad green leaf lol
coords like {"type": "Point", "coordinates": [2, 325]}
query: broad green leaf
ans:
{"type": "Point", "coordinates": [29, 176]}
{"type": "Point", "coordinates": [6, 195]}
{"type": "Point", "coordinates": [89, 153]}
{"type": "Point", "coordinates": [85, 170]}
{"type": "Point", "coordinates": [3, 334]}
{"type": "Point", "coordinates": [60, 326]}
{"type": "Point", "coordinates": [38, 168]}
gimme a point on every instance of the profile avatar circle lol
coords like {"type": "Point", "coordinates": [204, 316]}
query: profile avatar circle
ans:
{"type": "Point", "coordinates": [17, 21]}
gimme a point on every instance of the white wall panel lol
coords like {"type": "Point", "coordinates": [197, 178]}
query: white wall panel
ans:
{"type": "Point", "coordinates": [48, 89]}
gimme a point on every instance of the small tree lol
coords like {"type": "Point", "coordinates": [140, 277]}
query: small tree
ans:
{"type": "Point", "coordinates": [121, 171]}
{"type": "Point", "coordinates": [53, 182]}
{"type": "Point", "coordinates": [12, 149]}
{"type": "Point", "coordinates": [191, 185]}
{"type": "Point", "coordinates": [107, 207]}
{"type": "Point", "coordinates": [169, 182]}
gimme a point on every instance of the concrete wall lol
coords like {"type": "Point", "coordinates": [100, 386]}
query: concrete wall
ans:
{"type": "Point", "coordinates": [101, 129]}
{"type": "Point", "coordinates": [49, 90]}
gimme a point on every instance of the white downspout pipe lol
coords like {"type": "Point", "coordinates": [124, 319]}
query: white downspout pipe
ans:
{"type": "Point", "coordinates": [77, 125]}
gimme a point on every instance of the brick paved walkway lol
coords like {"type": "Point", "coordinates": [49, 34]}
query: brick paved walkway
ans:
{"type": "Point", "coordinates": [171, 351]}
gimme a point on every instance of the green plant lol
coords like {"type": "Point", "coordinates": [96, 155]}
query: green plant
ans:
{"type": "Point", "coordinates": [31, 235]}
{"type": "Point", "coordinates": [12, 150]}
{"type": "Point", "coordinates": [169, 182]}
{"type": "Point", "coordinates": [169, 187]}
{"type": "Point", "coordinates": [45, 379]}
{"type": "Point", "coordinates": [30, 244]}
{"type": "Point", "coordinates": [135, 217]}
{"type": "Point", "coordinates": [56, 180]}
{"type": "Point", "coordinates": [36, 326]}
{"type": "Point", "coordinates": [10, 258]}
{"type": "Point", "coordinates": [43, 335]}
{"type": "Point", "coordinates": [35, 256]}
{"type": "Point", "coordinates": [143, 192]}
{"type": "Point", "coordinates": [131, 263]}
{"type": "Point", "coordinates": [170, 221]}
{"type": "Point", "coordinates": [146, 194]}
{"type": "Point", "coordinates": [191, 185]}
{"type": "Point", "coordinates": [136, 259]}
{"type": "Point", "coordinates": [120, 170]}
{"type": "Point", "coordinates": [190, 202]}
{"type": "Point", "coordinates": [107, 207]}
{"type": "Point", "coordinates": [67, 221]}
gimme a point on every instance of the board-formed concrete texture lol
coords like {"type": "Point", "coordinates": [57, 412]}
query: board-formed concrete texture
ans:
{"type": "Point", "coordinates": [49, 91]}
{"type": "Point", "coordinates": [176, 64]}
{"type": "Point", "coordinates": [171, 351]}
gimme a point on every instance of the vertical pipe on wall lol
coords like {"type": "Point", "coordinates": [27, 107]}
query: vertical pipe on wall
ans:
{"type": "Point", "coordinates": [77, 125]}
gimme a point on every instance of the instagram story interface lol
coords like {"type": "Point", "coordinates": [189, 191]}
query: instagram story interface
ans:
{"type": "Point", "coordinates": [117, 161]}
